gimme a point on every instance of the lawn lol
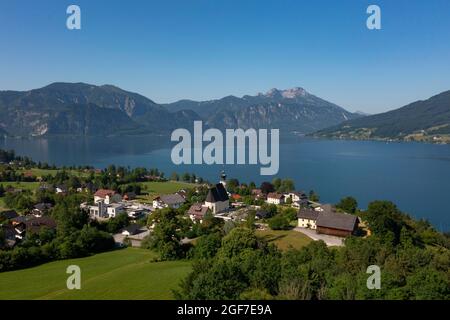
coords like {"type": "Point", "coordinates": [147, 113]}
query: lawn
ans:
{"type": "Point", "coordinates": [284, 239]}
{"type": "Point", "coordinates": [21, 185]}
{"type": "Point", "coordinates": [152, 189]}
{"type": "Point", "coordinates": [121, 274]}
{"type": "Point", "coordinates": [45, 172]}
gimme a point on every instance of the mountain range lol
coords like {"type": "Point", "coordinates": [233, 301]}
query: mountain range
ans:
{"type": "Point", "coordinates": [424, 120]}
{"type": "Point", "coordinates": [85, 109]}
{"type": "Point", "coordinates": [293, 110]}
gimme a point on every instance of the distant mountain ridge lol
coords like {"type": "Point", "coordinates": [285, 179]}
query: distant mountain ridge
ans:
{"type": "Point", "coordinates": [292, 110]}
{"type": "Point", "coordinates": [424, 120]}
{"type": "Point", "coordinates": [84, 109]}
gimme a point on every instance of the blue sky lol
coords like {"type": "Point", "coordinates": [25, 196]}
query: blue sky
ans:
{"type": "Point", "coordinates": [204, 49]}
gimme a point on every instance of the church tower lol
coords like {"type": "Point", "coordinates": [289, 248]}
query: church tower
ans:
{"type": "Point", "coordinates": [223, 178]}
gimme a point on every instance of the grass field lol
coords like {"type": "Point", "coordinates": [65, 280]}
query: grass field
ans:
{"type": "Point", "coordinates": [121, 274]}
{"type": "Point", "coordinates": [45, 172]}
{"type": "Point", "coordinates": [153, 189]}
{"type": "Point", "coordinates": [21, 185]}
{"type": "Point", "coordinates": [284, 239]}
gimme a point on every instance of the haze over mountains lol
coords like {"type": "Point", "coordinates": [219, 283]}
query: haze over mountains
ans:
{"type": "Point", "coordinates": [424, 120]}
{"type": "Point", "coordinates": [84, 109]}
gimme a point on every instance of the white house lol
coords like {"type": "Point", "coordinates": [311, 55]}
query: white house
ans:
{"type": "Point", "coordinates": [96, 211]}
{"type": "Point", "coordinates": [275, 198]}
{"type": "Point", "coordinates": [307, 218]}
{"type": "Point", "coordinates": [114, 209]}
{"type": "Point", "coordinates": [297, 196]}
{"type": "Point", "coordinates": [107, 196]}
{"type": "Point", "coordinates": [173, 201]}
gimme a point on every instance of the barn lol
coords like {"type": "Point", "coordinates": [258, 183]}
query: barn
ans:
{"type": "Point", "coordinates": [336, 223]}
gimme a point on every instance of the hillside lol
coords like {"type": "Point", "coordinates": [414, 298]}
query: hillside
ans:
{"type": "Point", "coordinates": [291, 110]}
{"type": "Point", "coordinates": [84, 109]}
{"type": "Point", "coordinates": [139, 278]}
{"type": "Point", "coordinates": [427, 120]}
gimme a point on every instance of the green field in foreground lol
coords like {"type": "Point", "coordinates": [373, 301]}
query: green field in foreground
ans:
{"type": "Point", "coordinates": [121, 274]}
{"type": "Point", "coordinates": [284, 239]}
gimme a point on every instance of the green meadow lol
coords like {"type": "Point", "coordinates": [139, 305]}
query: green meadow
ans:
{"type": "Point", "coordinates": [152, 189]}
{"type": "Point", "coordinates": [122, 274]}
{"type": "Point", "coordinates": [284, 239]}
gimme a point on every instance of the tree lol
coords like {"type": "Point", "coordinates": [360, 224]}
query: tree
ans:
{"type": "Point", "coordinates": [279, 222]}
{"type": "Point", "coordinates": [348, 204]}
{"type": "Point", "coordinates": [267, 187]}
{"type": "Point", "coordinates": [237, 240]}
{"type": "Point", "coordinates": [174, 176]}
{"type": "Point", "coordinates": [287, 185]}
{"type": "Point", "coordinates": [314, 196]}
{"type": "Point", "coordinates": [232, 185]}
{"type": "Point", "coordinates": [276, 182]}
{"type": "Point", "coordinates": [166, 236]}
{"type": "Point", "coordinates": [270, 208]}
{"type": "Point", "coordinates": [2, 239]}
{"type": "Point", "coordinates": [117, 223]}
{"type": "Point", "coordinates": [186, 177]}
{"type": "Point", "coordinates": [207, 246]}
{"type": "Point", "coordinates": [384, 220]}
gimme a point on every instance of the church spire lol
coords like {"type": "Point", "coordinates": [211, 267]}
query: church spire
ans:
{"type": "Point", "coordinates": [223, 178]}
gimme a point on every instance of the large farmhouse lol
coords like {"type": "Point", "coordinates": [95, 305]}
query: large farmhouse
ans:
{"type": "Point", "coordinates": [325, 220]}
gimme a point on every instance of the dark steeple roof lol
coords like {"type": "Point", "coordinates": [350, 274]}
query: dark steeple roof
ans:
{"type": "Point", "coordinates": [217, 193]}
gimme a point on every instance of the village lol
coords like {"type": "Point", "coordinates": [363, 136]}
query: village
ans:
{"type": "Point", "coordinates": [315, 220]}
{"type": "Point", "coordinates": [169, 230]}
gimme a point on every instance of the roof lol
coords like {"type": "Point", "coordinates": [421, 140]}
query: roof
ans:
{"type": "Point", "coordinates": [43, 206]}
{"type": "Point", "coordinates": [174, 198]}
{"type": "Point", "coordinates": [8, 231]}
{"type": "Point", "coordinates": [306, 213]}
{"type": "Point", "coordinates": [35, 224]}
{"type": "Point", "coordinates": [132, 228]}
{"type": "Point", "coordinates": [262, 214]}
{"type": "Point", "coordinates": [275, 195]}
{"type": "Point", "coordinates": [336, 220]}
{"type": "Point", "coordinates": [102, 193]}
{"type": "Point", "coordinates": [197, 210]}
{"type": "Point", "coordinates": [20, 219]}
{"type": "Point", "coordinates": [10, 214]}
{"type": "Point", "coordinates": [257, 191]}
{"type": "Point", "coordinates": [217, 193]}
{"type": "Point", "coordinates": [299, 194]}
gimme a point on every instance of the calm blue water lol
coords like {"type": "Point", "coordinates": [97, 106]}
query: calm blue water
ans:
{"type": "Point", "coordinates": [415, 176]}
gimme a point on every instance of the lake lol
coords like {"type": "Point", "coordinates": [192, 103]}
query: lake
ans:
{"type": "Point", "coordinates": [413, 175]}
